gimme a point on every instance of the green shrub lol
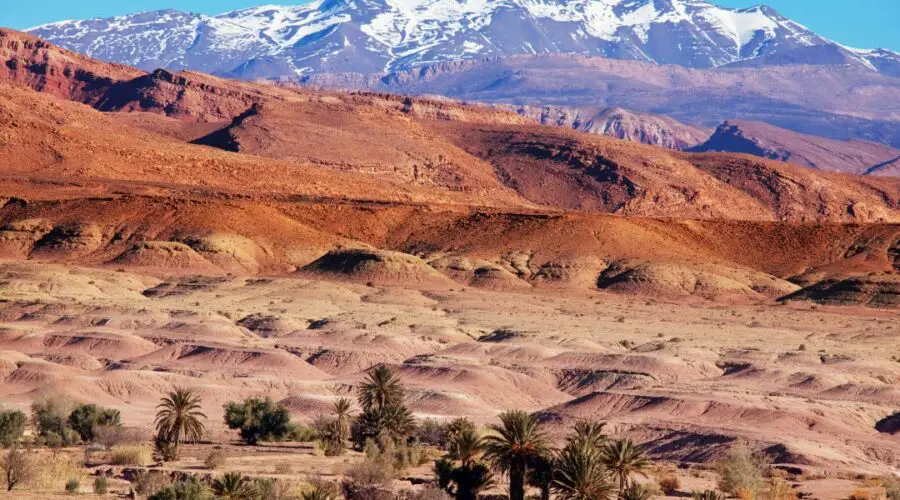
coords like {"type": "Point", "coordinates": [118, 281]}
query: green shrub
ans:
{"type": "Point", "coordinates": [300, 433]}
{"type": "Point", "coordinates": [258, 419]}
{"type": "Point", "coordinates": [85, 419]}
{"type": "Point", "coordinates": [101, 485]}
{"type": "Point", "coordinates": [72, 486]}
{"type": "Point", "coordinates": [189, 489]}
{"type": "Point", "coordinates": [12, 427]}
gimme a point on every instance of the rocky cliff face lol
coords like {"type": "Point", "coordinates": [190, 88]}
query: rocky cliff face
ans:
{"type": "Point", "coordinates": [620, 123]}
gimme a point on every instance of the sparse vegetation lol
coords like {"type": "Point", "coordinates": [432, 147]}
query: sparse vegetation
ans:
{"type": "Point", "coordinates": [135, 455]}
{"type": "Point", "coordinates": [742, 471]}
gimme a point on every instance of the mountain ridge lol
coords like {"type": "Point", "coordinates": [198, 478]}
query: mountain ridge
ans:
{"type": "Point", "coordinates": [390, 35]}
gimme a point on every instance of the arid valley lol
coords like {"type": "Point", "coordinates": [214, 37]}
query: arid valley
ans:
{"type": "Point", "coordinates": [170, 230]}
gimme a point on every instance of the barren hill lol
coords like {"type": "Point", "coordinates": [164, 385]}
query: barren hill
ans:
{"type": "Point", "coordinates": [768, 141]}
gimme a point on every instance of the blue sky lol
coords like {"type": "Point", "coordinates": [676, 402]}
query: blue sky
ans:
{"type": "Point", "coordinates": [859, 23]}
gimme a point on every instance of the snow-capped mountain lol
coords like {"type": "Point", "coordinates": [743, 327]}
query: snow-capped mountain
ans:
{"type": "Point", "coordinates": [387, 35]}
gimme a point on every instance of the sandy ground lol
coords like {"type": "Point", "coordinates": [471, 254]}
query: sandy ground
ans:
{"type": "Point", "coordinates": [805, 383]}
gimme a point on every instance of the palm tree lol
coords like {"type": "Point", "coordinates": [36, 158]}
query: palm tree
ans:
{"type": "Point", "coordinates": [623, 458]}
{"type": "Point", "coordinates": [466, 446]}
{"type": "Point", "coordinates": [515, 442]}
{"type": "Point", "coordinates": [581, 475]}
{"type": "Point", "coordinates": [178, 418]}
{"type": "Point", "coordinates": [381, 389]}
{"type": "Point", "coordinates": [232, 486]}
{"type": "Point", "coordinates": [342, 408]}
{"type": "Point", "coordinates": [589, 433]}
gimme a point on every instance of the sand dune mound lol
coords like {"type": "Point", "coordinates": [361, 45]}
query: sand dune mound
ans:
{"type": "Point", "coordinates": [80, 361]}
{"type": "Point", "coordinates": [495, 277]}
{"type": "Point", "coordinates": [99, 345]}
{"type": "Point", "coordinates": [376, 266]}
{"type": "Point", "coordinates": [268, 325]}
{"type": "Point", "coordinates": [168, 255]}
{"type": "Point", "coordinates": [230, 252]}
{"type": "Point", "coordinates": [493, 386]}
{"type": "Point", "coordinates": [661, 368]}
{"type": "Point", "coordinates": [203, 358]}
{"type": "Point", "coordinates": [874, 290]}
{"type": "Point", "coordinates": [579, 382]}
{"type": "Point", "coordinates": [709, 281]}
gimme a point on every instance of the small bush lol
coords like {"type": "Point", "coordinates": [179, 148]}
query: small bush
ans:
{"type": "Point", "coordinates": [12, 427]}
{"type": "Point", "coordinates": [189, 489]}
{"type": "Point", "coordinates": [215, 460]}
{"type": "Point", "coordinates": [669, 484]}
{"type": "Point", "coordinates": [300, 433]}
{"type": "Point", "coordinates": [741, 473]}
{"type": "Point", "coordinates": [101, 485]}
{"type": "Point", "coordinates": [136, 455]}
{"type": "Point", "coordinates": [283, 468]}
{"type": "Point", "coordinates": [258, 419]}
{"type": "Point", "coordinates": [72, 486]}
{"type": "Point", "coordinates": [147, 483]}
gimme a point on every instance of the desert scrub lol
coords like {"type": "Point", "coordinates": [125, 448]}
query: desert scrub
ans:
{"type": "Point", "coordinates": [136, 455]}
{"type": "Point", "coordinates": [72, 486]}
{"type": "Point", "coordinates": [669, 484]}
{"type": "Point", "coordinates": [215, 460]}
{"type": "Point", "coordinates": [101, 485]}
{"type": "Point", "coordinates": [52, 472]}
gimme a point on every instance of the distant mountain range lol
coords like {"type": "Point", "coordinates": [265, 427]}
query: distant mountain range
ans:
{"type": "Point", "coordinates": [662, 72]}
{"type": "Point", "coordinates": [366, 36]}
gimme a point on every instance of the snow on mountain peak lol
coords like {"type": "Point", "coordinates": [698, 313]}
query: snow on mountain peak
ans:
{"type": "Point", "coordinates": [374, 35]}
